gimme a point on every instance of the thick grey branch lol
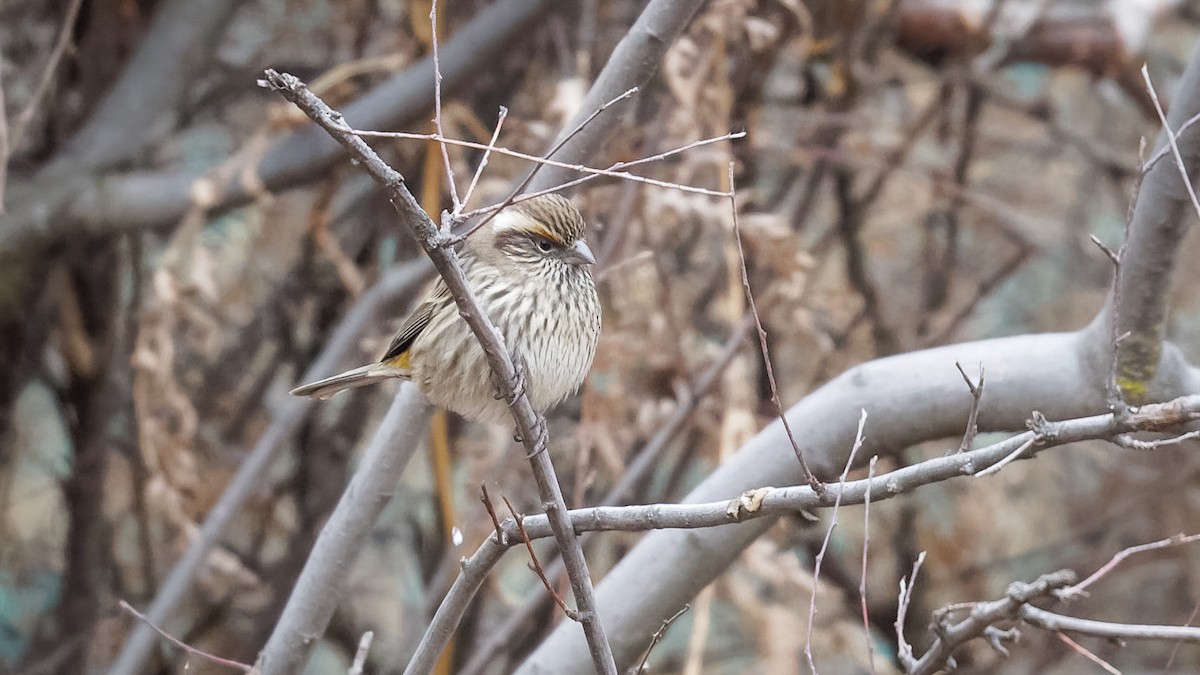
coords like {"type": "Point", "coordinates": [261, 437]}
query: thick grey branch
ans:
{"type": "Point", "coordinates": [115, 203]}
{"type": "Point", "coordinates": [983, 616]}
{"type": "Point", "coordinates": [323, 579]}
{"type": "Point", "coordinates": [1160, 219]}
{"type": "Point", "coordinates": [1105, 629]}
{"type": "Point", "coordinates": [1024, 373]}
{"type": "Point", "coordinates": [395, 283]}
{"type": "Point", "coordinates": [910, 398]}
{"type": "Point", "coordinates": [178, 46]}
{"type": "Point", "coordinates": [631, 64]}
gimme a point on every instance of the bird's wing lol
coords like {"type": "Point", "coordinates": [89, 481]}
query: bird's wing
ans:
{"type": "Point", "coordinates": [416, 322]}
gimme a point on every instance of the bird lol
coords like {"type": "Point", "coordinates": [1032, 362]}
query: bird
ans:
{"type": "Point", "coordinates": [530, 268]}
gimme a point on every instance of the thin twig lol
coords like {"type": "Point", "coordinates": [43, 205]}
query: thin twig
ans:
{"type": "Point", "coordinates": [1087, 654]}
{"type": "Point", "coordinates": [1012, 457]}
{"type": "Point", "coordinates": [1077, 590]}
{"type": "Point", "coordinates": [482, 162]}
{"type": "Point", "coordinates": [491, 511]}
{"type": "Point", "coordinates": [531, 427]}
{"type": "Point", "coordinates": [862, 580]}
{"type": "Point", "coordinates": [592, 176]}
{"type": "Point", "coordinates": [812, 599]}
{"type": "Point", "coordinates": [762, 342]}
{"type": "Point", "coordinates": [537, 566]}
{"type": "Point", "coordinates": [533, 171]}
{"type": "Point", "coordinates": [437, 104]}
{"type": "Point", "coordinates": [655, 639]}
{"type": "Point", "coordinates": [972, 417]}
{"type": "Point", "coordinates": [245, 668]}
{"type": "Point", "coordinates": [1171, 140]}
{"type": "Point", "coordinates": [904, 650]}
{"type": "Point", "coordinates": [1126, 441]}
{"type": "Point", "coordinates": [60, 47]}
{"type": "Point", "coordinates": [611, 173]}
{"type": "Point", "coordinates": [1179, 643]}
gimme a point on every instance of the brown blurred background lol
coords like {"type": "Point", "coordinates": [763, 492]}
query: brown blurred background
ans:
{"type": "Point", "coordinates": [916, 172]}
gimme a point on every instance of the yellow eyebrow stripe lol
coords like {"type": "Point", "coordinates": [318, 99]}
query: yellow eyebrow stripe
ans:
{"type": "Point", "coordinates": [546, 233]}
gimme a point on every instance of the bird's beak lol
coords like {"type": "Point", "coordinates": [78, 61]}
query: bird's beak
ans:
{"type": "Point", "coordinates": [579, 254]}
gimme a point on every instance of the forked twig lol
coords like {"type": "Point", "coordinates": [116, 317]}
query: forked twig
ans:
{"type": "Point", "coordinates": [491, 511]}
{"type": "Point", "coordinates": [812, 599]}
{"type": "Point", "coordinates": [512, 197]}
{"type": "Point", "coordinates": [655, 639]}
{"type": "Point", "coordinates": [592, 176]}
{"type": "Point", "coordinates": [904, 651]}
{"type": "Point", "coordinates": [537, 566]}
{"type": "Point", "coordinates": [973, 416]}
{"type": "Point", "coordinates": [1171, 140]}
{"type": "Point", "coordinates": [543, 161]}
{"type": "Point", "coordinates": [482, 162]}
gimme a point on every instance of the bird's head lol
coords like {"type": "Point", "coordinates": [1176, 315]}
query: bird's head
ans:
{"type": "Point", "coordinates": [547, 231]}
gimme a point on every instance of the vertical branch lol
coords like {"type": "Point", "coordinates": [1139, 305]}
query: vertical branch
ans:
{"type": "Point", "coordinates": [862, 581]}
{"type": "Point", "coordinates": [762, 342]}
{"type": "Point", "coordinates": [812, 600]}
{"type": "Point", "coordinates": [531, 427]}
{"type": "Point", "coordinates": [437, 104]}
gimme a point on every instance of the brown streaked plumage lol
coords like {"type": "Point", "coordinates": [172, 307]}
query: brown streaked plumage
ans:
{"type": "Point", "coordinates": [529, 267]}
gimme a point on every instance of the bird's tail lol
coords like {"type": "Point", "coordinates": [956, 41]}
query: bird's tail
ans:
{"type": "Point", "coordinates": [368, 374]}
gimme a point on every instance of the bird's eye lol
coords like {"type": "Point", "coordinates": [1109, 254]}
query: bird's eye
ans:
{"type": "Point", "coordinates": [544, 245]}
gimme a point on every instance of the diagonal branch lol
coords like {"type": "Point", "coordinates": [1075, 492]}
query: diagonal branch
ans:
{"type": "Point", "coordinates": [1161, 217]}
{"type": "Point", "coordinates": [912, 398]}
{"type": "Point", "coordinates": [634, 60]}
{"type": "Point", "coordinates": [156, 199]}
{"type": "Point", "coordinates": [397, 282]}
{"type": "Point", "coordinates": [530, 425]}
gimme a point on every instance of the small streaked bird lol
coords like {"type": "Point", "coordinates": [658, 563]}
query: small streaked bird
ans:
{"type": "Point", "coordinates": [530, 269]}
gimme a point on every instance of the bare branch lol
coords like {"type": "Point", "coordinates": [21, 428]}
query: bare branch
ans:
{"type": "Point", "coordinates": [1078, 590]}
{"type": "Point", "coordinates": [530, 425]}
{"type": "Point", "coordinates": [141, 200]}
{"type": "Point", "coordinates": [762, 341]}
{"type": "Point", "coordinates": [656, 638]}
{"type": "Point", "coordinates": [183, 645]}
{"type": "Point", "coordinates": [360, 656]}
{"type": "Point", "coordinates": [905, 651]}
{"type": "Point", "coordinates": [396, 283]}
{"type": "Point", "coordinates": [319, 588]}
{"type": "Point", "coordinates": [437, 105]}
{"type": "Point", "coordinates": [482, 162]}
{"type": "Point", "coordinates": [60, 47]}
{"type": "Point", "coordinates": [581, 168]}
{"type": "Point", "coordinates": [837, 502]}
{"type": "Point", "coordinates": [972, 417]}
{"type": "Point", "coordinates": [1106, 629]}
{"type": "Point", "coordinates": [862, 580]}
{"type": "Point", "coordinates": [631, 64]}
